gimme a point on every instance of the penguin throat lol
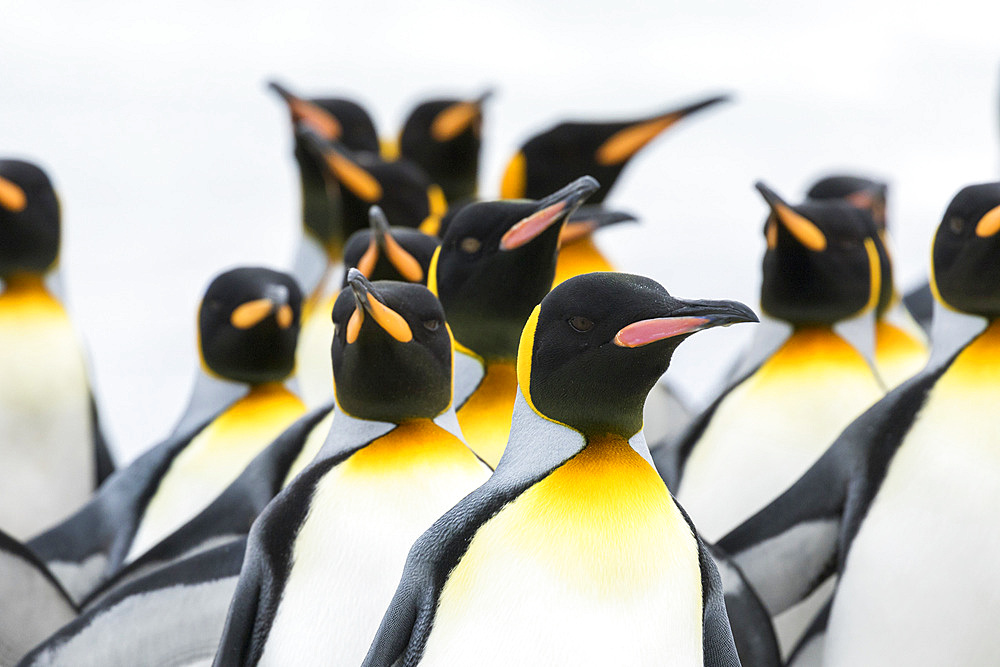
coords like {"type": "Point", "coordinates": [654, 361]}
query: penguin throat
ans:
{"type": "Point", "coordinates": [578, 257]}
{"type": "Point", "coordinates": [485, 417]}
{"type": "Point", "coordinates": [23, 282]}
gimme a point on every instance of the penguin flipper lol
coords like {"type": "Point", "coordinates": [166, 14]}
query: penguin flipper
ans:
{"type": "Point", "coordinates": [174, 616]}
{"type": "Point", "coordinates": [104, 463]}
{"type": "Point", "coordinates": [809, 651]}
{"type": "Point", "coordinates": [32, 603]}
{"type": "Point", "coordinates": [89, 546]}
{"type": "Point", "coordinates": [233, 512]}
{"type": "Point", "coordinates": [238, 632]}
{"type": "Point", "coordinates": [753, 631]}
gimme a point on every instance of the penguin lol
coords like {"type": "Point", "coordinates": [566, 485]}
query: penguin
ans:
{"type": "Point", "coordinates": [53, 451]}
{"type": "Point", "coordinates": [316, 577]}
{"type": "Point", "coordinates": [173, 616]}
{"type": "Point", "coordinates": [32, 603]}
{"type": "Point", "coordinates": [495, 263]}
{"type": "Point", "coordinates": [821, 280]}
{"type": "Point", "coordinates": [443, 136]}
{"type": "Point", "coordinates": [574, 149]}
{"type": "Point", "coordinates": [379, 252]}
{"type": "Point", "coordinates": [901, 504]}
{"type": "Point", "coordinates": [901, 345]}
{"type": "Point", "coordinates": [248, 323]}
{"type": "Point", "coordinates": [574, 551]}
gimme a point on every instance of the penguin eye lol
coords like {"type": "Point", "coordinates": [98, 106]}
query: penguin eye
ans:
{"type": "Point", "coordinates": [470, 244]}
{"type": "Point", "coordinates": [432, 325]}
{"type": "Point", "coordinates": [580, 324]}
{"type": "Point", "coordinates": [956, 224]}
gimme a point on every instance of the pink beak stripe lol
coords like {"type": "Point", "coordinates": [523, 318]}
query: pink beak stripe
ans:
{"type": "Point", "coordinates": [532, 226]}
{"type": "Point", "coordinates": [645, 332]}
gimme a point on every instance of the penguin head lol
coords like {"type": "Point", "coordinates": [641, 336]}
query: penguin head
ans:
{"type": "Point", "coordinates": [391, 351]}
{"type": "Point", "coordinates": [29, 219]}
{"type": "Point", "coordinates": [965, 260]}
{"type": "Point", "coordinates": [400, 188]}
{"type": "Point", "coordinates": [596, 345]}
{"type": "Point", "coordinates": [389, 253]}
{"type": "Point", "coordinates": [864, 193]}
{"type": "Point", "coordinates": [248, 325]}
{"type": "Point", "coordinates": [822, 263]}
{"type": "Point", "coordinates": [332, 118]}
{"type": "Point", "coordinates": [443, 137]}
{"type": "Point", "coordinates": [601, 149]}
{"type": "Point", "coordinates": [496, 262]}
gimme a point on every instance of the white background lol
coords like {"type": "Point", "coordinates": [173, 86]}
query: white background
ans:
{"type": "Point", "coordinates": [173, 162]}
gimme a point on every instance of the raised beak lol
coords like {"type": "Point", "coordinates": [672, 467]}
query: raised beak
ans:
{"type": "Point", "coordinates": [690, 317]}
{"type": "Point", "coordinates": [802, 229]}
{"type": "Point", "coordinates": [588, 219]}
{"type": "Point", "coordinates": [382, 237]}
{"type": "Point", "coordinates": [312, 115]}
{"type": "Point", "coordinates": [552, 210]}
{"type": "Point", "coordinates": [343, 167]}
{"type": "Point", "coordinates": [366, 298]}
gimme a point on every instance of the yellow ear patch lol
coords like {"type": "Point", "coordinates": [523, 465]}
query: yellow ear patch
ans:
{"type": "Point", "coordinates": [803, 229]}
{"type": "Point", "coordinates": [875, 266]}
{"type": "Point", "coordinates": [515, 178]}
{"type": "Point", "coordinates": [354, 178]}
{"type": "Point", "coordinates": [404, 262]}
{"type": "Point", "coordinates": [525, 349]}
{"type": "Point", "coordinates": [250, 313]}
{"type": "Point", "coordinates": [12, 197]}
{"type": "Point", "coordinates": [625, 143]}
{"type": "Point", "coordinates": [989, 224]}
{"type": "Point", "coordinates": [453, 120]}
{"type": "Point", "coordinates": [432, 283]}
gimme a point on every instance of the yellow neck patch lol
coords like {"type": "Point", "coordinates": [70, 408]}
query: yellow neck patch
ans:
{"type": "Point", "coordinates": [432, 283]}
{"type": "Point", "coordinates": [978, 365]}
{"type": "Point", "coordinates": [411, 448]}
{"type": "Point", "coordinates": [515, 178]}
{"type": "Point", "coordinates": [486, 416]}
{"type": "Point", "coordinates": [579, 257]}
{"type": "Point", "coordinates": [875, 276]}
{"type": "Point", "coordinates": [25, 296]}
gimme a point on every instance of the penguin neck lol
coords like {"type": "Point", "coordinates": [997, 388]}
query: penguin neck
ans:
{"type": "Point", "coordinates": [348, 433]}
{"type": "Point", "coordinates": [486, 416]}
{"type": "Point", "coordinates": [578, 257]}
{"type": "Point", "coordinates": [25, 295]}
{"type": "Point", "coordinates": [979, 363]}
{"type": "Point", "coordinates": [268, 391]}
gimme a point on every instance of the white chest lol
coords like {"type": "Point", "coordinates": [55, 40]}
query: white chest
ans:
{"type": "Point", "coordinates": [921, 586]}
{"type": "Point", "coordinates": [771, 428]}
{"type": "Point", "coordinates": [350, 551]}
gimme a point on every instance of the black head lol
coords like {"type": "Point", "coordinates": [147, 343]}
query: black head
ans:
{"type": "Point", "coordinates": [443, 137]}
{"type": "Point", "coordinates": [822, 261]}
{"type": "Point", "coordinates": [391, 351]}
{"type": "Point", "coordinates": [248, 325]}
{"type": "Point", "coordinates": [571, 150]}
{"type": "Point", "coordinates": [496, 262]}
{"type": "Point", "coordinates": [965, 272]}
{"type": "Point", "coordinates": [333, 118]}
{"type": "Point", "coordinates": [400, 188]}
{"type": "Point", "coordinates": [858, 191]}
{"type": "Point", "coordinates": [29, 219]}
{"type": "Point", "coordinates": [596, 345]}
{"type": "Point", "coordinates": [389, 253]}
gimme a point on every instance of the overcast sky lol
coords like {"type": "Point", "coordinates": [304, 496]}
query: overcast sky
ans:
{"type": "Point", "coordinates": [173, 162]}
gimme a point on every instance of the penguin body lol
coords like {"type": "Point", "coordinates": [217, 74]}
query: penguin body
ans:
{"type": "Point", "coordinates": [496, 261]}
{"type": "Point", "coordinates": [50, 439]}
{"type": "Point", "coordinates": [916, 474]}
{"type": "Point", "coordinates": [573, 552]}
{"type": "Point", "coordinates": [244, 311]}
{"type": "Point", "coordinates": [313, 562]}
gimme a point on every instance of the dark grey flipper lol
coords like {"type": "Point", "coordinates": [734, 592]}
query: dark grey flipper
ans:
{"type": "Point", "coordinates": [87, 548]}
{"type": "Point", "coordinates": [920, 302]}
{"type": "Point", "coordinates": [809, 651]}
{"type": "Point", "coordinates": [104, 463]}
{"type": "Point", "coordinates": [172, 617]}
{"type": "Point", "coordinates": [749, 620]}
{"type": "Point", "coordinates": [231, 514]}
{"type": "Point", "coordinates": [32, 603]}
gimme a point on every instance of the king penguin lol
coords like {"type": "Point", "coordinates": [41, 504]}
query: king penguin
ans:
{"type": "Point", "coordinates": [248, 323]}
{"type": "Point", "coordinates": [50, 440]}
{"type": "Point", "coordinates": [316, 577]}
{"type": "Point", "coordinates": [903, 504]}
{"type": "Point", "coordinates": [901, 346]}
{"type": "Point", "coordinates": [444, 137]}
{"type": "Point", "coordinates": [495, 263]}
{"type": "Point", "coordinates": [821, 278]}
{"type": "Point", "coordinates": [574, 551]}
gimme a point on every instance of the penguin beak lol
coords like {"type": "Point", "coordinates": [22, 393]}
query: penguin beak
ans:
{"type": "Point", "coordinates": [624, 144]}
{"type": "Point", "coordinates": [344, 169]}
{"type": "Point", "coordinates": [251, 313]}
{"type": "Point", "coordinates": [587, 220]}
{"type": "Point", "coordinates": [457, 118]}
{"type": "Point", "coordinates": [367, 300]}
{"type": "Point", "coordinates": [690, 317]}
{"type": "Point", "coordinates": [309, 114]}
{"type": "Point", "coordinates": [383, 241]}
{"type": "Point", "coordinates": [802, 229]}
{"type": "Point", "coordinates": [552, 210]}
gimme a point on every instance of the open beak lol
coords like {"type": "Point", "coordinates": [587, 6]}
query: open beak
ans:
{"type": "Point", "coordinates": [552, 210]}
{"type": "Point", "coordinates": [690, 317]}
{"type": "Point", "coordinates": [367, 302]}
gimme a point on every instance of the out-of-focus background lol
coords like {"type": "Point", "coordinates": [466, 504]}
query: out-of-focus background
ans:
{"type": "Point", "coordinates": [173, 162]}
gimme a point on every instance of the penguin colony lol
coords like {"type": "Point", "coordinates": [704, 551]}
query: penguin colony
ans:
{"type": "Point", "coordinates": [442, 438]}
